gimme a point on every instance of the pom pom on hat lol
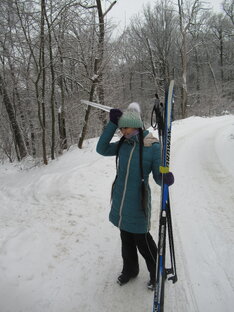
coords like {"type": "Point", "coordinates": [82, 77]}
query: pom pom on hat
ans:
{"type": "Point", "coordinates": [134, 106]}
{"type": "Point", "coordinates": [131, 118]}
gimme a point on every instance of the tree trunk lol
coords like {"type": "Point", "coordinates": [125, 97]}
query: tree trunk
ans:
{"type": "Point", "coordinates": [153, 67]}
{"type": "Point", "coordinates": [62, 120]}
{"type": "Point", "coordinates": [221, 43]}
{"type": "Point", "coordinates": [198, 85]}
{"type": "Point", "coordinates": [41, 100]}
{"type": "Point", "coordinates": [101, 38]}
{"type": "Point", "coordinates": [62, 130]}
{"type": "Point", "coordinates": [18, 137]}
{"type": "Point", "coordinates": [184, 92]}
{"type": "Point", "coordinates": [87, 113]}
{"type": "Point", "coordinates": [183, 55]}
{"type": "Point", "coordinates": [52, 89]}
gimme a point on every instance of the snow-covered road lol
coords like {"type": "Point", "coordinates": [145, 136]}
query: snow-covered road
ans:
{"type": "Point", "coordinates": [58, 252]}
{"type": "Point", "coordinates": [203, 207]}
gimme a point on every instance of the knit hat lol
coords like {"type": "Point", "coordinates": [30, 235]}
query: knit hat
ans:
{"type": "Point", "coordinates": [131, 118]}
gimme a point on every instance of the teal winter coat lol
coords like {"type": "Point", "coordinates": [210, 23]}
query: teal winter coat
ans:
{"type": "Point", "coordinates": [126, 211]}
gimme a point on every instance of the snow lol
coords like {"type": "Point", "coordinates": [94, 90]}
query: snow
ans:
{"type": "Point", "coordinates": [58, 251]}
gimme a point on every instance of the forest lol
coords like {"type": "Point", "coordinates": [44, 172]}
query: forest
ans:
{"type": "Point", "coordinates": [54, 53]}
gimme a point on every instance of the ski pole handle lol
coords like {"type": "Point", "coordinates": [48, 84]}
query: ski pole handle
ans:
{"type": "Point", "coordinates": [154, 120]}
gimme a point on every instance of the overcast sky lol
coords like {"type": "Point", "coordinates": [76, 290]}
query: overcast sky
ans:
{"type": "Point", "coordinates": [123, 10]}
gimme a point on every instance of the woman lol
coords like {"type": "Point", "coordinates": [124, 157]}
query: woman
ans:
{"type": "Point", "coordinates": [137, 155]}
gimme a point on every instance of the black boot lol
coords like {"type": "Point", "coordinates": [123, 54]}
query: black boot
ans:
{"type": "Point", "coordinates": [124, 278]}
{"type": "Point", "coordinates": [151, 284]}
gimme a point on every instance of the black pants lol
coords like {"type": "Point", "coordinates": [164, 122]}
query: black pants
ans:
{"type": "Point", "coordinates": [147, 248]}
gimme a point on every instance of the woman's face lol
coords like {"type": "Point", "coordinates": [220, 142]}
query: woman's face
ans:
{"type": "Point", "coordinates": [127, 131]}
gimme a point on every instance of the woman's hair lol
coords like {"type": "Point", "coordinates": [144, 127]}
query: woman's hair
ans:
{"type": "Point", "coordinates": [116, 163]}
{"type": "Point", "coordinates": [143, 186]}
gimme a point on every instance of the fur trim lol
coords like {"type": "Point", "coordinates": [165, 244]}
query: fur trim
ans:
{"type": "Point", "coordinates": [149, 140]}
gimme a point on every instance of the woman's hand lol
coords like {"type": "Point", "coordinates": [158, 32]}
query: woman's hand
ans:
{"type": "Point", "coordinates": [115, 114]}
{"type": "Point", "coordinates": [168, 178]}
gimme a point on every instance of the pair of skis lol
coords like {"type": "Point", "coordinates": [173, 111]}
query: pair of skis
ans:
{"type": "Point", "coordinates": [163, 121]}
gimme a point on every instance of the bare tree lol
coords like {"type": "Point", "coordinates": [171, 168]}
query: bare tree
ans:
{"type": "Point", "coordinates": [187, 12]}
{"type": "Point", "coordinates": [228, 7]}
{"type": "Point", "coordinates": [221, 29]}
{"type": "Point", "coordinates": [97, 78]}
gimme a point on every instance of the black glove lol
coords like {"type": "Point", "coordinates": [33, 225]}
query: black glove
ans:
{"type": "Point", "coordinates": [115, 114]}
{"type": "Point", "coordinates": [168, 178]}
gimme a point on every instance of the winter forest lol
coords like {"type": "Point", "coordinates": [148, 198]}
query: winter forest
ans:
{"type": "Point", "coordinates": [54, 53]}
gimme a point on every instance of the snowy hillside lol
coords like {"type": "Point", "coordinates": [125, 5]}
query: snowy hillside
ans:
{"type": "Point", "coordinates": [59, 253]}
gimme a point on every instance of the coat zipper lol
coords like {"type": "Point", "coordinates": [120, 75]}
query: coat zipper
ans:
{"type": "Point", "coordinates": [125, 186]}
